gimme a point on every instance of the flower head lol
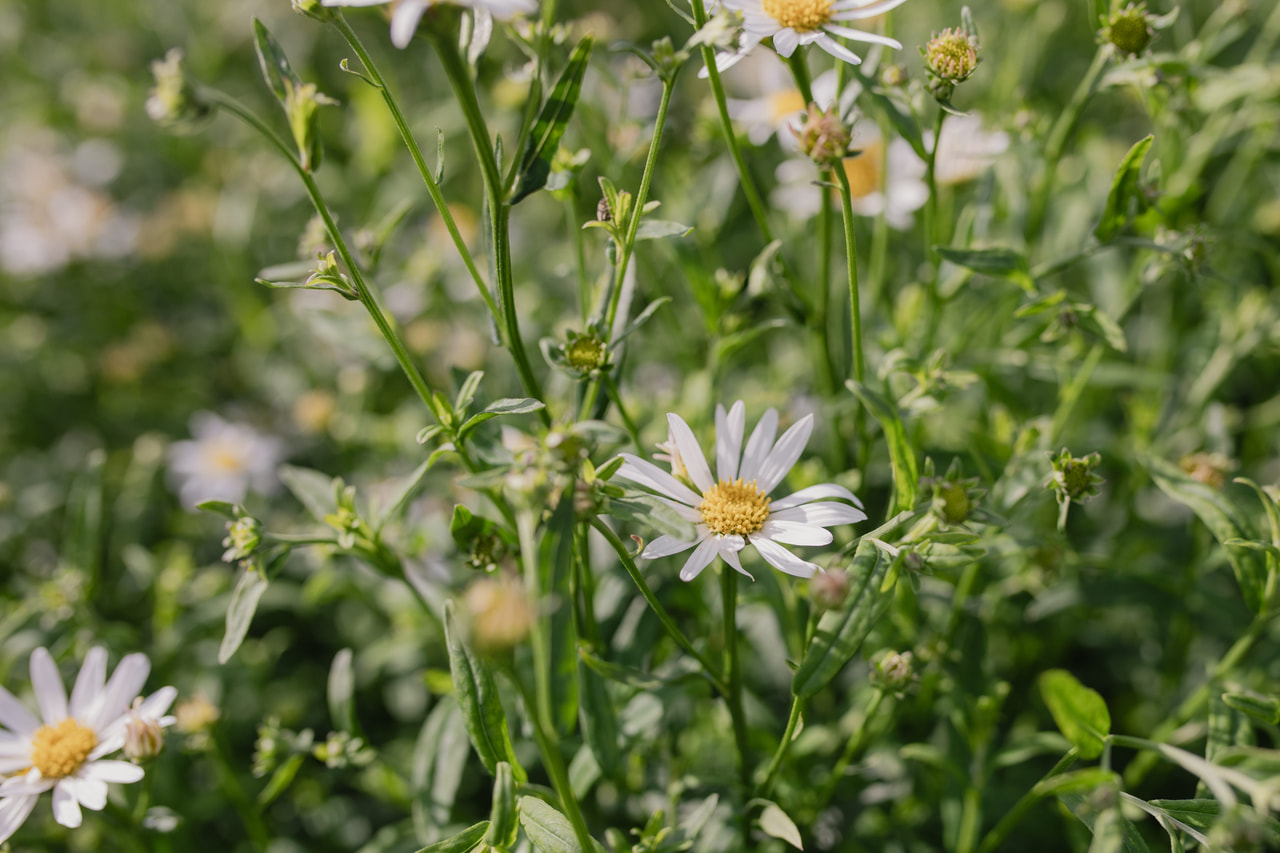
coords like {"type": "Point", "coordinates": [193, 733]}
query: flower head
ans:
{"type": "Point", "coordinates": [791, 23]}
{"type": "Point", "coordinates": [405, 14]}
{"type": "Point", "coordinates": [66, 751]}
{"type": "Point", "coordinates": [1130, 29]}
{"type": "Point", "coordinates": [735, 509]}
{"type": "Point", "coordinates": [223, 462]}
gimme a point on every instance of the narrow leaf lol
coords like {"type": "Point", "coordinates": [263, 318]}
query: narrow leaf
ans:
{"type": "Point", "coordinates": [274, 64]}
{"type": "Point", "coordinates": [478, 699]}
{"type": "Point", "coordinates": [503, 813]}
{"type": "Point", "coordinates": [544, 139]}
{"type": "Point", "coordinates": [403, 491]}
{"type": "Point", "coordinates": [997, 263]}
{"type": "Point", "coordinates": [281, 779]}
{"type": "Point", "coordinates": [313, 489]}
{"type": "Point", "coordinates": [463, 842]}
{"type": "Point", "coordinates": [656, 229]}
{"type": "Point", "coordinates": [1124, 188]}
{"type": "Point", "coordinates": [906, 476]}
{"type": "Point", "coordinates": [1080, 713]}
{"type": "Point", "coordinates": [244, 603]}
{"type": "Point", "coordinates": [547, 828]}
{"type": "Point", "coordinates": [439, 759]}
{"type": "Point", "coordinates": [599, 720]}
{"type": "Point", "coordinates": [341, 692]}
{"type": "Point", "coordinates": [555, 567]}
{"type": "Point", "coordinates": [775, 822]}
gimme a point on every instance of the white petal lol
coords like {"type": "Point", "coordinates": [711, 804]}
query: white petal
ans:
{"type": "Point", "coordinates": [701, 557]}
{"type": "Point", "coordinates": [13, 812]}
{"type": "Point", "coordinates": [14, 763]}
{"type": "Point", "coordinates": [30, 785]}
{"type": "Point", "coordinates": [688, 513]}
{"type": "Point", "coordinates": [795, 533]}
{"type": "Point", "coordinates": [89, 683]}
{"type": "Point", "coordinates": [404, 21]}
{"type": "Point", "coordinates": [785, 454]}
{"type": "Point", "coordinates": [758, 445]}
{"type": "Point", "coordinates": [51, 696]}
{"type": "Point", "coordinates": [90, 793]}
{"type": "Point", "coordinates": [157, 703]}
{"type": "Point", "coordinates": [729, 429]}
{"type": "Point", "coordinates": [783, 560]}
{"type": "Point", "coordinates": [821, 514]}
{"type": "Point", "coordinates": [838, 50]}
{"type": "Point", "coordinates": [112, 771]}
{"type": "Point", "coordinates": [690, 453]}
{"type": "Point", "coordinates": [123, 687]}
{"type": "Point", "coordinates": [15, 716]}
{"type": "Point", "coordinates": [852, 10]}
{"type": "Point", "coordinates": [813, 493]}
{"type": "Point", "coordinates": [66, 810]}
{"type": "Point", "coordinates": [665, 546]}
{"type": "Point", "coordinates": [729, 553]}
{"type": "Point", "coordinates": [859, 35]}
{"type": "Point", "coordinates": [645, 473]}
{"type": "Point", "coordinates": [353, 2]}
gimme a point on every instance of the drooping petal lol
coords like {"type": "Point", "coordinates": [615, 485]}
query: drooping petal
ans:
{"type": "Point", "coordinates": [51, 696]}
{"type": "Point", "coordinates": [729, 429]}
{"type": "Point", "coordinates": [89, 683]}
{"type": "Point", "coordinates": [729, 553]}
{"type": "Point", "coordinates": [90, 793]}
{"type": "Point", "coordinates": [112, 771]}
{"type": "Point", "coordinates": [783, 560]}
{"type": "Point", "coordinates": [701, 557]}
{"type": "Point", "coordinates": [795, 533]}
{"type": "Point", "coordinates": [821, 514]}
{"type": "Point", "coordinates": [758, 445]}
{"type": "Point", "coordinates": [690, 453]}
{"type": "Point", "coordinates": [813, 493]}
{"type": "Point", "coordinates": [665, 546]}
{"type": "Point", "coordinates": [124, 685]}
{"type": "Point", "coordinates": [66, 810]}
{"type": "Point", "coordinates": [785, 41]}
{"type": "Point", "coordinates": [14, 763]}
{"type": "Point", "coordinates": [647, 474]}
{"type": "Point", "coordinates": [784, 454]}
{"type": "Point", "coordinates": [838, 50]}
{"type": "Point", "coordinates": [15, 717]}
{"type": "Point", "coordinates": [858, 35]}
{"type": "Point", "coordinates": [404, 21]}
{"type": "Point", "coordinates": [13, 813]}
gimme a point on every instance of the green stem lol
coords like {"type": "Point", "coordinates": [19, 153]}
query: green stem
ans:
{"type": "Point", "coordinates": [733, 668]}
{"type": "Point", "coordinates": [415, 151]}
{"type": "Point", "coordinates": [665, 618]}
{"type": "Point", "coordinates": [248, 811]}
{"type": "Point", "coordinates": [993, 839]}
{"type": "Point", "coordinates": [788, 735]}
{"type": "Point", "coordinates": [616, 394]}
{"type": "Point", "coordinates": [851, 747]}
{"type": "Point", "coordinates": [855, 308]}
{"type": "Point", "coordinates": [934, 310]}
{"type": "Point", "coordinates": [456, 69]}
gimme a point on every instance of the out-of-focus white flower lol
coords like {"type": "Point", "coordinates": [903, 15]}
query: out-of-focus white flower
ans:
{"type": "Point", "coordinates": [66, 751]}
{"type": "Point", "coordinates": [735, 510]}
{"type": "Point", "coordinates": [779, 105]}
{"type": "Point", "coordinates": [896, 166]}
{"type": "Point", "coordinates": [965, 149]}
{"type": "Point", "coordinates": [223, 462]}
{"type": "Point", "coordinates": [407, 13]}
{"type": "Point", "coordinates": [791, 23]}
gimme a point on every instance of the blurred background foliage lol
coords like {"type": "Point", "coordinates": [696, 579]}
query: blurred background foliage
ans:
{"type": "Point", "coordinates": [127, 305]}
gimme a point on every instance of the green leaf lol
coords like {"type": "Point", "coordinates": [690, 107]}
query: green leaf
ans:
{"type": "Point", "coordinates": [555, 568]}
{"type": "Point", "coordinates": [274, 64]}
{"type": "Point", "coordinates": [228, 511]}
{"type": "Point", "coordinates": [341, 693]}
{"type": "Point", "coordinates": [281, 779]}
{"type": "Point", "coordinates": [1109, 832]}
{"type": "Point", "coordinates": [1081, 714]}
{"type": "Point", "coordinates": [632, 677]}
{"type": "Point", "coordinates": [439, 759]}
{"type": "Point", "coordinates": [775, 823]}
{"type": "Point", "coordinates": [478, 699]}
{"type": "Point", "coordinates": [244, 603]}
{"type": "Point", "coordinates": [906, 476]}
{"type": "Point", "coordinates": [503, 813]}
{"type": "Point", "coordinates": [315, 491]}
{"type": "Point", "coordinates": [641, 319]}
{"type": "Point", "coordinates": [548, 830]}
{"type": "Point", "coordinates": [840, 633]}
{"type": "Point", "coordinates": [1222, 518]}
{"type": "Point", "coordinates": [467, 393]}
{"type": "Point", "coordinates": [544, 139]}
{"type": "Point", "coordinates": [1124, 188]}
{"type": "Point", "coordinates": [505, 406]}
{"type": "Point", "coordinates": [599, 719]}
{"type": "Point", "coordinates": [657, 229]}
{"type": "Point", "coordinates": [403, 491]}
{"type": "Point", "coordinates": [464, 842]}
{"type": "Point", "coordinates": [997, 263]}
{"type": "Point", "coordinates": [1264, 708]}
{"type": "Point", "coordinates": [1075, 782]}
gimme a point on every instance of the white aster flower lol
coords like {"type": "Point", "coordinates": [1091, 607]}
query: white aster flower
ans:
{"type": "Point", "coordinates": [66, 753]}
{"type": "Point", "coordinates": [791, 23]}
{"type": "Point", "coordinates": [965, 149]}
{"type": "Point", "coordinates": [779, 107]}
{"type": "Point", "coordinates": [223, 462]}
{"type": "Point", "coordinates": [407, 13]}
{"type": "Point", "coordinates": [735, 510]}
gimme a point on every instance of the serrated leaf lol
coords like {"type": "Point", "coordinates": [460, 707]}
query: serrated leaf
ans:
{"type": "Point", "coordinates": [775, 823]}
{"type": "Point", "coordinates": [478, 699]}
{"type": "Point", "coordinates": [1080, 713]}
{"type": "Point", "coordinates": [244, 603]}
{"type": "Point", "coordinates": [341, 692]}
{"type": "Point", "coordinates": [840, 632]}
{"type": "Point", "coordinates": [906, 476]}
{"type": "Point", "coordinates": [314, 490]}
{"type": "Point", "coordinates": [544, 138]}
{"type": "Point", "coordinates": [463, 842]}
{"type": "Point", "coordinates": [273, 63]}
{"type": "Point", "coordinates": [1124, 188]}
{"type": "Point", "coordinates": [998, 263]}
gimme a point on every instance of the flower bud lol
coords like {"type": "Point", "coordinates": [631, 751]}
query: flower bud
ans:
{"type": "Point", "coordinates": [243, 537]}
{"type": "Point", "coordinates": [1073, 478]}
{"type": "Point", "coordinates": [823, 136]}
{"type": "Point", "coordinates": [174, 100]}
{"type": "Point", "coordinates": [1129, 30]}
{"type": "Point", "coordinates": [313, 9]}
{"type": "Point", "coordinates": [829, 589]}
{"type": "Point", "coordinates": [952, 55]}
{"type": "Point", "coordinates": [893, 672]}
{"type": "Point", "coordinates": [300, 105]}
{"type": "Point", "coordinates": [143, 736]}
{"type": "Point", "coordinates": [1208, 468]}
{"type": "Point", "coordinates": [586, 353]}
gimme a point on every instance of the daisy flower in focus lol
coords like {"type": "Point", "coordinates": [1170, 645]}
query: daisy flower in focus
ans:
{"type": "Point", "coordinates": [66, 752]}
{"type": "Point", "coordinates": [406, 14]}
{"type": "Point", "coordinates": [791, 23]}
{"type": "Point", "coordinates": [223, 462]}
{"type": "Point", "coordinates": [734, 509]}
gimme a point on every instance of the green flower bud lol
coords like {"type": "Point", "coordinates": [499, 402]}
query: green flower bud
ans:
{"type": "Point", "coordinates": [1129, 29]}
{"type": "Point", "coordinates": [823, 136]}
{"type": "Point", "coordinates": [174, 101]}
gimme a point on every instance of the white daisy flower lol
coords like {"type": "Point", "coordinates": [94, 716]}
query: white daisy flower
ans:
{"type": "Point", "coordinates": [407, 13]}
{"type": "Point", "coordinates": [735, 510]}
{"type": "Point", "coordinates": [791, 23]}
{"type": "Point", "coordinates": [223, 462]}
{"type": "Point", "coordinates": [66, 752]}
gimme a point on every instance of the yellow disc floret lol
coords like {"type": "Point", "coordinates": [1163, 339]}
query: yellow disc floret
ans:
{"type": "Point", "coordinates": [738, 508]}
{"type": "Point", "coordinates": [803, 16]}
{"type": "Point", "coordinates": [58, 751]}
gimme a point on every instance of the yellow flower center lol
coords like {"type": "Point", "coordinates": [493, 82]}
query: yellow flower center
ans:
{"type": "Point", "coordinates": [737, 508]}
{"type": "Point", "coordinates": [58, 751]}
{"type": "Point", "coordinates": [803, 16]}
{"type": "Point", "coordinates": [226, 458]}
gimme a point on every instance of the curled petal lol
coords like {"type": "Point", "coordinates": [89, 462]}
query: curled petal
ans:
{"type": "Point", "coordinates": [783, 560]}
{"type": "Point", "coordinates": [690, 453]}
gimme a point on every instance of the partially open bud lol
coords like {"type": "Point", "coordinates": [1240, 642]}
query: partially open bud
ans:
{"type": "Point", "coordinates": [893, 672]}
{"type": "Point", "coordinates": [1073, 478]}
{"type": "Point", "coordinates": [1130, 29]}
{"type": "Point", "coordinates": [243, 537]}
{"type": "Point", "coordinates": [500, 615]}
{"type": "Point", "coordinates": [313, 9]}
{"type": "Point", "coordinates": [950, 57]}
{"type": "Point", "coordinates": [823, 136]}
{"type": "Point", "coordinates": [300, 105]}
{"type": "Point", "coordinates": [143, 736]}
{"type": "Point", "coordinates": [585, 353]}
